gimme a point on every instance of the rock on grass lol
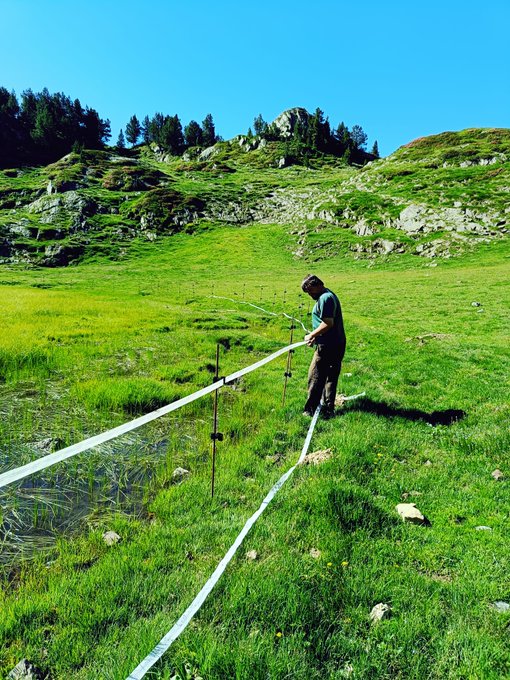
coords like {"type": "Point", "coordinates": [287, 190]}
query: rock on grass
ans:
{"type": "Point", "coordinates": [410, 513]}
{"type": "Point", "coordinates": [380, 612]}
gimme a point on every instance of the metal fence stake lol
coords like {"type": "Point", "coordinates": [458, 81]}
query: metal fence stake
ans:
{"type": "Point", "coordinates": [215, 435]}
{"type": "Point", "coordinates": [288, 373]}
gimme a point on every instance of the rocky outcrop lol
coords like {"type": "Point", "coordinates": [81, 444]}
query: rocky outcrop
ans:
{"type": "Point", "coordinates": [286, 122]}
{"type": "Point", "coordinates": [415, 219]}
{"type": "Point", "coordinates": [70, 207]}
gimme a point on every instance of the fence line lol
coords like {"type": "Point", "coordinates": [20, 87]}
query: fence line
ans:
{"type": "Point", "coordinates": [183, 621]}
{"type": "Point", "coordinates": [51, 459]}
{"type": "Point", "coordinates": [266, 311]}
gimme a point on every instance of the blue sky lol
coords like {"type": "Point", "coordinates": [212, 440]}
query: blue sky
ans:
{"type": "Point", "coordinates": [399, 69]}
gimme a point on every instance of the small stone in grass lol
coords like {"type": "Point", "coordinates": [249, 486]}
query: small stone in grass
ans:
{"type": "Point", "coordinates": [483, 528]}
{"type": "Point", "coordinates": [410, 513]}
{"type": "Point", "coordinates": [427, 463]}
{"type": "Point", "coordinates": [25, 670]}
{"type": "Point", "coordinates": [379, 612]}
{"type": "Point", "coordinates": [110, 537]}
{"type": "Point", "coordinates": [501, 606]}
{"type": "Point", "coordinates": [252, 555]}
{"type": "Point", "coordinates": [476, 304]}
{"type": "Point", "coordinates": [317, 457]}
{"type": "Point", "coordinates": [314, 552]}
{"type": "Point", "coordinates": [179, 474]}
{"type": "Point", "coordinates": [498, 475]}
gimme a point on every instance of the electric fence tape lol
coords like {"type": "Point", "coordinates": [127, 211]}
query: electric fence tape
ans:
{"type": "Point", "coordinates": [51, 459]}
{"type": "Point", "coordinates": [199, 600]}
{"type": "Point", "coordinates": [166, 641]}
{"type": "Point", "coordinates": [266, 311]}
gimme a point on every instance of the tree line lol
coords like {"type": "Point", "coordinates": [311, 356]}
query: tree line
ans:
{"type": "Point", "coordinates": [316, 135]}
{"type": "Point", "coordinates": [42, 127]}
{"type": "Point", "coordinates": [167, 132]}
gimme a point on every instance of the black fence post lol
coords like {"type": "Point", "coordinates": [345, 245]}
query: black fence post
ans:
{"type": "Point", "coordinates": [288, 373]}
{"type": "Point", "coordinates": [215, 435]}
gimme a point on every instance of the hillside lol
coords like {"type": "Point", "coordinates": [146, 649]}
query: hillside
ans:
{"type": "Point", "coordinates": [148, 265]}
{"type": "Point", "coordinates": [435, 197]}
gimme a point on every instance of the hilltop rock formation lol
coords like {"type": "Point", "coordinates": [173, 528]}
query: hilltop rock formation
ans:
{"type": "Point", "coordinates": [286, 122]}
{"type": "Point", "coordinates": [410, 202]}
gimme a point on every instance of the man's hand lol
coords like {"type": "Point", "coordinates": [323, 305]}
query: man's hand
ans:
{"type": "Point", "coordinates": [309, 339]}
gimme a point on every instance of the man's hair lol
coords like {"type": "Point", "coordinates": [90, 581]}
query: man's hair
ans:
{"type": "Point", "coordinates": [311, 280]}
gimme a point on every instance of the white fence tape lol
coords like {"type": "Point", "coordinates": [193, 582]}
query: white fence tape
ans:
{"type": "Point", "coordinates": [266, 311]}
{"type": "Point", "coordinates": [51, 459]}
{"type": "Point", "coordinates": [165, 642]}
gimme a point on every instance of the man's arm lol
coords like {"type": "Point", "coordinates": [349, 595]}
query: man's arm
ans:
{"type": "Point", "coordinates": [322, 328]}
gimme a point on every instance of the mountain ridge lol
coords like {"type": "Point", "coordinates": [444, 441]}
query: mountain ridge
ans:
{"type": "Point", "coordinates": [434, 197]}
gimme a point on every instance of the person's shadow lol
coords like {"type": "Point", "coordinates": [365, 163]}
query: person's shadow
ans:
{"type": "Point", "coordinates": [381, 408]}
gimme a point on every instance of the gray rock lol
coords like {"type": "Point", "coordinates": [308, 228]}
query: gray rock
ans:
{"type": "Point", "coordinates": [179, 474]}
{"type": "Point", "coordinates": [380, 612]}
{"type": "Point", "coordinates": [362, 228]}
{"type": "Point", "coordinates": [282, 162]}
{"type": "Point", "coordinates": [22, 228]}
{"type": "Point", "coordinates": [410, 513]}
{"type": "Point", "coordinates": [252, 555]}
{"type": "Point", "coordinates": [501, 606]}
{"type": "Point", "coordinates": [111, 538]}
{"type": "Point", "coordinates": [412, 219]}
{"type": "Point", "coordinates": [286, 122]}
{"type": "Point", "coordinates": [25, 670]}
{"type": "Point", "coordinates": [48, 444]}
{"type": "Point", "coordinates": [209, 153]}
{"type": "Point", "coordinates": [498, 475]}
{"type": "Point", "coordinates": [476, 304]}
{"type": "Point", "coordinates": [482, 527]}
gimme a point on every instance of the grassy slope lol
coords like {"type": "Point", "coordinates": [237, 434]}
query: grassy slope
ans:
{"type": "Point", "coordinates": [101, 341]}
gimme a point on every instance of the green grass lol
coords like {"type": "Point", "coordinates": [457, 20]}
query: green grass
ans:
{"type": "Point", "coordinates": [88, 347]}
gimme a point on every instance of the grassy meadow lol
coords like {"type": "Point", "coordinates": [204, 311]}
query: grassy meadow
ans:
{"type": "Point", "coordinates": [88, 347]}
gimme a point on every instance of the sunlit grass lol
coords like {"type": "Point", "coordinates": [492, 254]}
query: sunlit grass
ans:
{"type": "Point", "coordinates": [102, 342]}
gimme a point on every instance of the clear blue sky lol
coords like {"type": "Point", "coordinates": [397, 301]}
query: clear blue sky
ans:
{"type": "Point", "coordinates": [399, 69]}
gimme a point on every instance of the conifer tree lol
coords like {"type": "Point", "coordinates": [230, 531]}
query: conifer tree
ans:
{"type": "Point", "coordinates": [375, 150]}
{"type": "Point", "coordinates": [358, 136]}
{"type": "Point", "coordinates": [193, 135]}
{"type": "Point", "coordinates": [171, 135]}
{"type": "Point", "coordinates": [259, 125]}
{"type": "Point", "coordinates": [146, 133]}
{"type": "Point", "coordinates": [133, 130]}
{"type": "Point", "coordinates": [208, 131]}
{"type": "Point", "coordinates": [121, 143]}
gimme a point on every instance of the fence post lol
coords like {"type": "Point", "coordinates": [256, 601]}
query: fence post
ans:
{"type": "Point", "coordinates": [288, 373]}
{"type": "Point", "coordinates": [215, 435]}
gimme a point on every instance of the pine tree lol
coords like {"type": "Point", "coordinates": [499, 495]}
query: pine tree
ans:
{"type": "Point", "coordinates": [375, 150]}
{"type": "Point", "coordinates": [121, 144]}
{"type": "Point", "coordinates": [171, 135]}
{"type": "Point", "coordinates": [208, 131]}
{"type": "Point", "coordinates": [133, 130]}
{"type": "Point", "coordinates": [358, 136]}
{"type": "Point", "coordinates": [146, 130]}
{"type": "Point", "coordinates": [193, 135]}
{"type": "Point", "coordinates": [259, 125]}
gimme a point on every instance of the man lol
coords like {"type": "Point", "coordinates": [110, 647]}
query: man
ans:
{"type": "Point", "coordinates": [328, 338]}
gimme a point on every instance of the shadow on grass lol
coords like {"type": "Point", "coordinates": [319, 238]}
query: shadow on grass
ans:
{"type": "Point", "coordinates": [381, 408]}
{"type": "Point", "coordinates": [354, 508]}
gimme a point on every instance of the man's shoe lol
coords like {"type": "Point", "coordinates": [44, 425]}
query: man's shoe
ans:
{"type": "Point", "coordinates": [307, 414]}
{"type": "Point", "coordinates": [327, 414]}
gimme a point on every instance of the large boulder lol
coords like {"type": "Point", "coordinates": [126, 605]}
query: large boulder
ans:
{"type": "Point", "coordinates": [286, 122]}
